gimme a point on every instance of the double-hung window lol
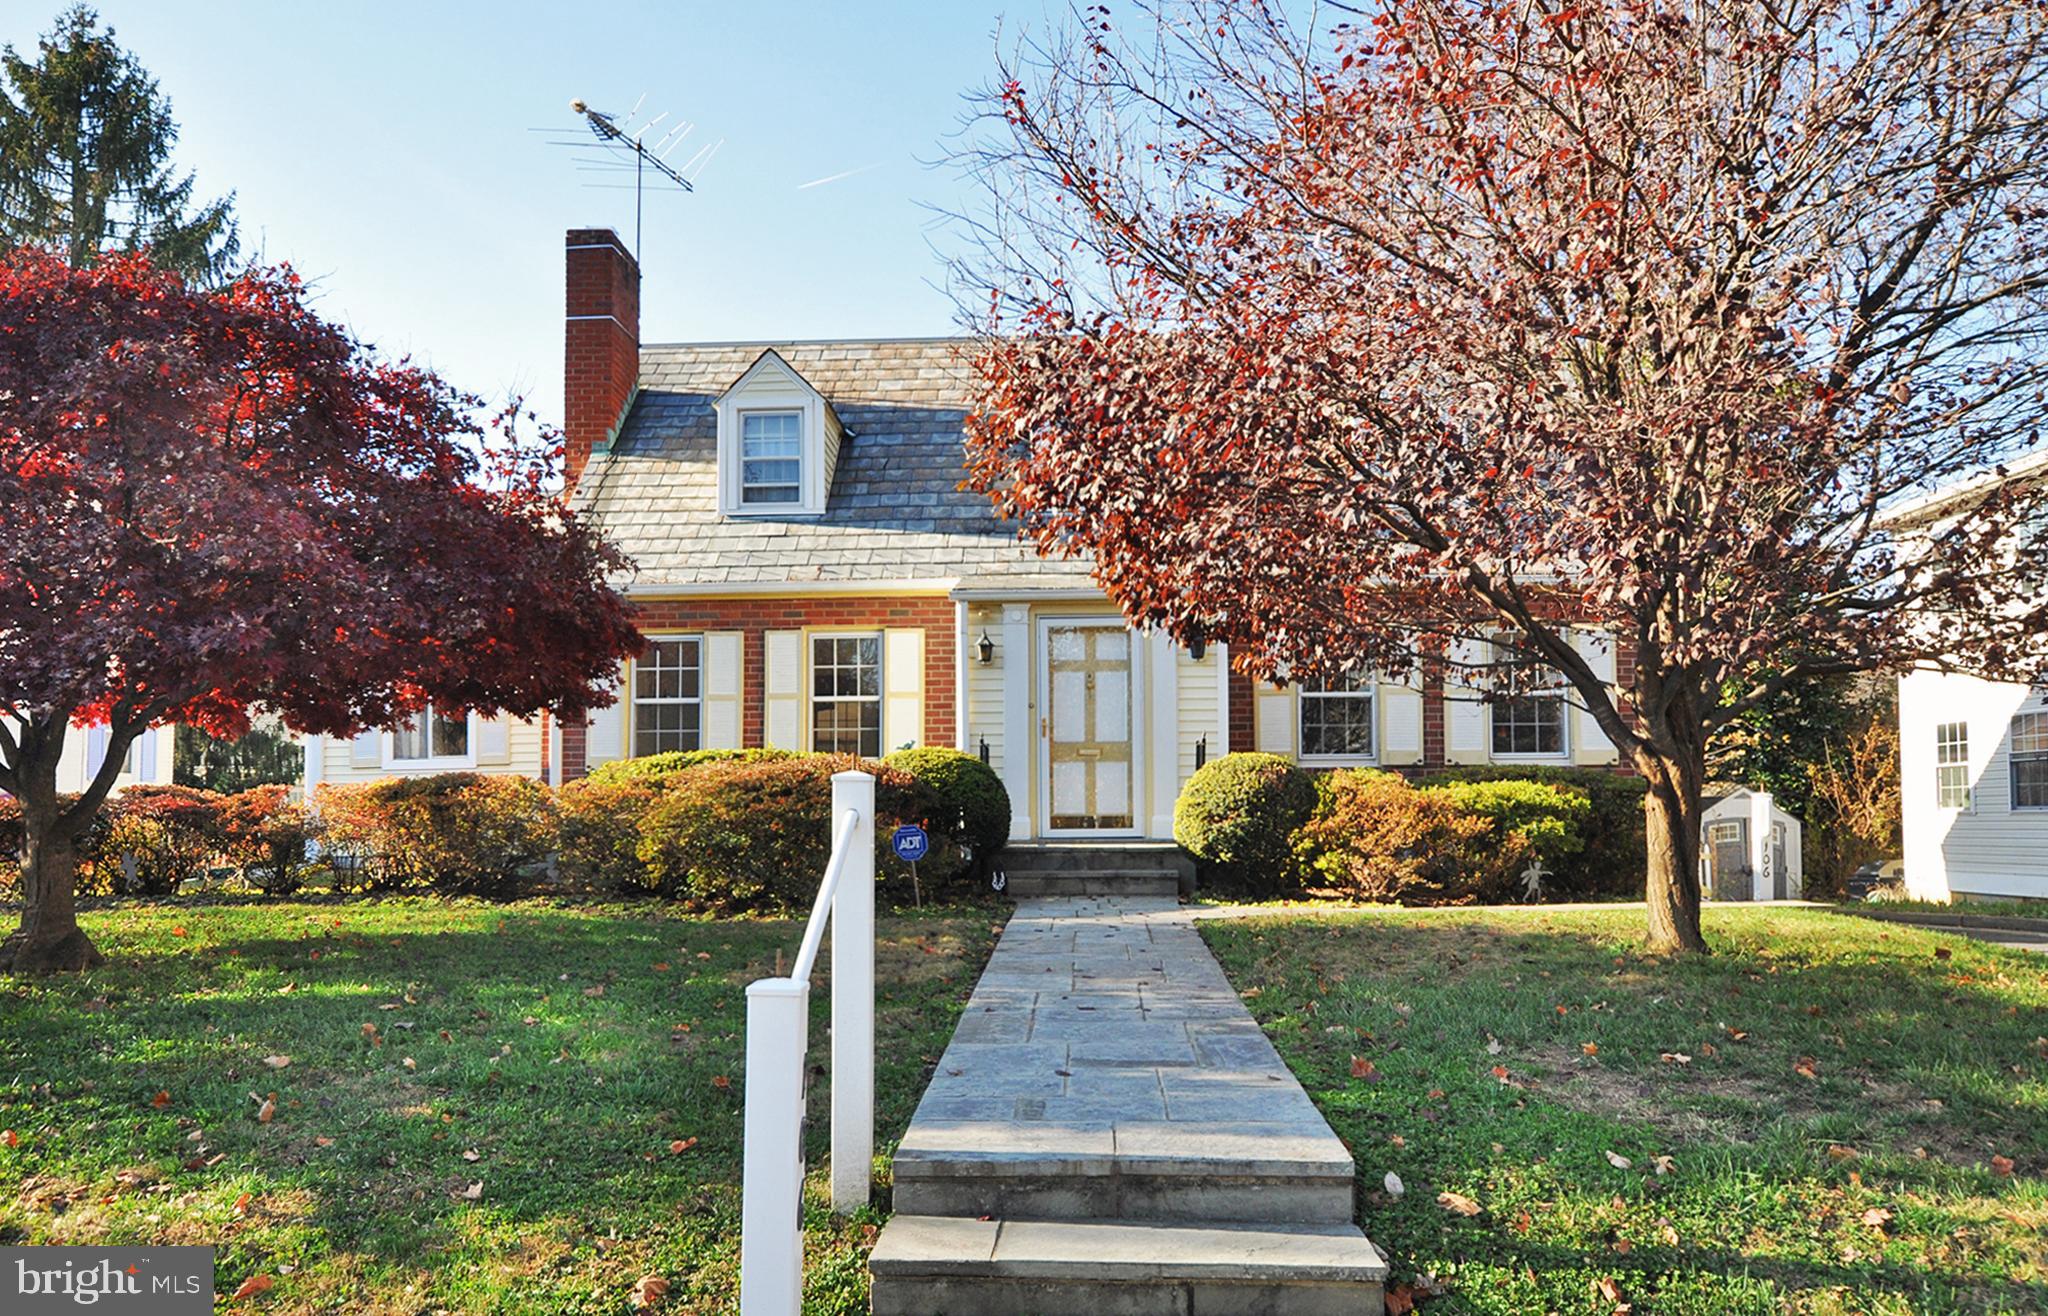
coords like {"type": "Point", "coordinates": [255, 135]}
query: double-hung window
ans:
{"type": "Point", "coordinates": [1529, 716]}
{"type": "Point", "coordinates": [1337, 718]}
{"type": "Point", "coordinates": [2029, 757]}
{"type": "Point", "coordinates": [667, 695]}
{"type": "Point", "coordinates": [846, 694]}
{"type": "Point", "coordinates": [771, 457]}
{"type": "Point", "coordinates": [1952, 765]}
{"type": "Point", "coordinates": [431, 736]}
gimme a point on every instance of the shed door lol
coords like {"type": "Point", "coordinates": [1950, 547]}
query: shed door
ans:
{"type": "Point", "coordinates": [1781, 876]}
{"type": "Point", "coordinates": [1728, 860]}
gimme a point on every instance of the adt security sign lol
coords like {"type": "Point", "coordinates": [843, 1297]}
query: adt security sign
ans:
{"type": "Point", "coordinates": [910, 843]}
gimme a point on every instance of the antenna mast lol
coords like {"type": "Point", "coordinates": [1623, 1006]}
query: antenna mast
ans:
{"type": "Point", "coordinates": [627, 146]}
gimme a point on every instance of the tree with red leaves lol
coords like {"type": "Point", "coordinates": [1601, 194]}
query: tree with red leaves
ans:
{"type": "Point", "coordinates": [215, 501]}
{"type": "Point", "coordinates": [1422, 339]}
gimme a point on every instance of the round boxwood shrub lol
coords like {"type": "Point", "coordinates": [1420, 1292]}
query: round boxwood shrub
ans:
{"type": "Point", "coordinates": [1236, 817]}
{"type": "Point", "coordinates": [969, 788]}
{"type": "Point", "coordinates": [756, 836]}
{"type": "Point", "coordinates": [654, 769]}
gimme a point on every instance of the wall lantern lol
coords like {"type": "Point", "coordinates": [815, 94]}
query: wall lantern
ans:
{"type": "Point", "coordinates": [985, 649]}
{"type": "Point", "coordinates": [1198, 646]}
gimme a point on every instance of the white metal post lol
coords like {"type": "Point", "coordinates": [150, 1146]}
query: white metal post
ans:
{"type": "Point", "coordinates": [771, 1203]}
{"type": "Point", "coordinates": [853, 999]}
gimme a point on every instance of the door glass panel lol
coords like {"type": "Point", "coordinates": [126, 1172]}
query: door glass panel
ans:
{"type": "Point", "coordinates": [1088, 686]}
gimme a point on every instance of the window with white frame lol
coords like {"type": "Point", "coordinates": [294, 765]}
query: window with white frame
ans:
{"type": "Point", "coordinates": [1529, 716]}
{"type": "Point", "coordinates": [1952, 765]}
{"type": "Point", "coordinates": [1337, 718]}
{"type": "Point", "coordinates": [2028, 752]}
{"type": "Point", "coordinates": [771, 457]}
{"type": "Point", "coordinates": [846, 694]}
{"type": "Point", "coordinates": [667, 696]}
{"type": "Point", "coordinates": [431, 736]}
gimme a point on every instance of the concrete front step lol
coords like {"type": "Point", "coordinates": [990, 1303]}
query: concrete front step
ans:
{"type": "Point", "coordinates": [1063, 882]}
{"type": "Point", "coordinates": [949, 1266]}
{"type": "Point", "coordinates": [1095, 857]}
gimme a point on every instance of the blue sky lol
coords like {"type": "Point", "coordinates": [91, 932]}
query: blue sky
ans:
{"type": "Point", "coordinates": [383, 149]}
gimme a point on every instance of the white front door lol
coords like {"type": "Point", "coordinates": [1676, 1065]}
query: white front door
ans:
{"type": "Point", "coordinates": [1087, 737]}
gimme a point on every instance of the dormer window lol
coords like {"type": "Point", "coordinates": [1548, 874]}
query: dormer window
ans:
{"type": "Point", "coordinates": [771, 457]}
{"type": "Point", "coordinates": [778, 443]}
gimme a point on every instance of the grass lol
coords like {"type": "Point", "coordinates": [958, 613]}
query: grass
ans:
{"type": "Point", "coordinates": [553, 1056]}
{"type": "Point", "coordinates": [1834, 1128]}
{"type": "Point", "coordinates": [1968, 906]}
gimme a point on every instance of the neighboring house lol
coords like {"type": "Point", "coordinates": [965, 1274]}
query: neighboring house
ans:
{"type": "Point", "coordinates": [811, 575]}
{"type": "Point", "coordinates": [429, 743]}
{"type": "Point", "coordinates": [1973, 758]}
{"type": "Point", "coordinates": [85, 750]}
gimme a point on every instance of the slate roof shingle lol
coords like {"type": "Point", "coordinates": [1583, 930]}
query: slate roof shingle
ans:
{"type": "Point", "coordinates": [894, 512]}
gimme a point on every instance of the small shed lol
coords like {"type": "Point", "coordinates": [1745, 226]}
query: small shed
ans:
{"type": "Point", "coordinates": [1749, 848]}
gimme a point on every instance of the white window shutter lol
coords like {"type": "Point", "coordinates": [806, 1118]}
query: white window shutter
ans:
{"type": "Point", "coordinates": [1400, 723]}
{"type": "Point", "coordinates": [493, 742]}
{"type": "Point", "coordinates": [605, 738]}
{"type": "Point", "coordinates": [722, 679]}
{"type": "Point", "coordinates": [367, 749]}
{"type": "Point", "coordinates": [902, 688]}
{"type": "Point", "coordinates": [95, 751]}
{"type": "Point", "coordinates": [782, 687]}
{"type": "Point", "coordinates": [1589, 743]}
{"type": "Point", "coordinates": [1465, 713]}
{"type": "Point", "coordinates": [1274, 712]}
{"type": "Point", "coordinates": [145, 756]}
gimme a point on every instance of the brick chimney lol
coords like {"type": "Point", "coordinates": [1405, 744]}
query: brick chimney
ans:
{"type": "Point", "coordinates": [601, 343]}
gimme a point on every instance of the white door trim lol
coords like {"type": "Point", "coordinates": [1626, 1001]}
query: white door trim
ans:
{"type": "Point", "coordinates": [1041, 652]}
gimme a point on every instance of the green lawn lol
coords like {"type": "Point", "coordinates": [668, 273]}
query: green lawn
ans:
{"type": "Point", "coordinates": [1832, 1129]}
{"type": "Point", "coordinates": [552, 1056]}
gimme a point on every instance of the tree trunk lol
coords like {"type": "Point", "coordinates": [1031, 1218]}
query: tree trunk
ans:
{"type": "Point", "coordinates": [1671, 820]}
{"type": "Point", "coordinates": [49, 939]}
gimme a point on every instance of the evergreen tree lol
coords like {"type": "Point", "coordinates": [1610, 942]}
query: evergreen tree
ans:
{"type": "Point", "coordinates": [85, 143]}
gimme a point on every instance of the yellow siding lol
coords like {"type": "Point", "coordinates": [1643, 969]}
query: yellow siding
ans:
{"type": "Point", "coordinates": [985, 684]}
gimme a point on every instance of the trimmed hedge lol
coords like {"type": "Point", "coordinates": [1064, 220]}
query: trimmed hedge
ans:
{"type": "Point", "coordinates": [976, 805]}
{"type": "Point", "coordinates": [1613, 857]}
{"type": "Point", "coordinates": [756, 836]}
{"type": "Point", "coordinates": [457, 833]}
{"type": "Point", "coordinates": [267, 836]}
{"type": "Point", "coordinates": [600, 823]}
{"type": "Point", "coordinates": [1237, 816]}
{"type": "Point", "coordinates": [165, 836]}
{"type": "Point", "coordinates": [655, 769]}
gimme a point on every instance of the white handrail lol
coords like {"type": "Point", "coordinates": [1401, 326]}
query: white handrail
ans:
{"type": "Point", "coordinates": [814, 931]}
{"type": "Point", "coordinates": [778, 1029]}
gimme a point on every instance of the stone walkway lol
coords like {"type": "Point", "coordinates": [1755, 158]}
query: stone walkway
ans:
{"type": "Point", "coordinates": [1105, 1075]}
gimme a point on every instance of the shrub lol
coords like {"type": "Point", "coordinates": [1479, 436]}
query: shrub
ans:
{"type": "Point", "coordinates": [265, 834]}
{"type": "Point", "coordinates": [658, 768]}
{"type": "Point", "coordinates": [1237, 817]}
{"type": "Point", "coordinates": [600, 834]}
{"type": "Point", "coordinates": [970, 791]}
{"type": "Point", "coordinates": [1375, 837]}
{"type": "Point", "coordinates": [458, 833]}
{"type": "Point", "coordinates": [742, 835]}
{"type": "Point", "coordinates": [164, 837]}
{"type": "Point", "coordinates": [1612, 859]}
{"type": "Point", "coordinates": [89, 847]}
{"type": "Point", "coordinates": [1549, 820]}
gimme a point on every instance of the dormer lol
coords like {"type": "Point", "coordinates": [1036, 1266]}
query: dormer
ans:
{"type": "Point", "coordinates": [778, 443]}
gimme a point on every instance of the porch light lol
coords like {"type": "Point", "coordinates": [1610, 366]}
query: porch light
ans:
{"type": "Point", "coordinates": [985, 649]}
{"type": "Point", "coordinates": [1197, 647]}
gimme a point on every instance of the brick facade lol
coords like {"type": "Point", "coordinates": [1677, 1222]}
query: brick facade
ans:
{"type": "Point", "coordinates": [754, 617]}
{"type": "Point", "coordinates": [600, 342]}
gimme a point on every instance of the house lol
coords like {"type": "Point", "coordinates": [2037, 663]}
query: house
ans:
{"type": "Point", "coordinates": [810, 575]}
{"type": "Point", "coordinates": [1973, 756]}
{"type": "Point", "coordinates": [149, 761]}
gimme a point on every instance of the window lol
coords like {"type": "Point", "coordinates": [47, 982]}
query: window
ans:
{"type": "Point", "coordinates": [431, 735]}
{"type": "Point", "coordinates": [2029, 755]}
{"type": "Point", "coordinates": [1336, 719]}
{"type": "Point", "coordinates": [1528, 719]}
{"type": "Point", "coordinates": [771, 457]}
{"type": "Point", "coordinates": [1952, 765]}
{"type": "Point", "coordinates": [667, 682]}
{"type": "Point", "coordinates": [846, 694]}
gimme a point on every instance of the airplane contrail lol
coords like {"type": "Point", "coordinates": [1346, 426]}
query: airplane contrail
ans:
{"type": "Point", "coordinates": [833, 178]}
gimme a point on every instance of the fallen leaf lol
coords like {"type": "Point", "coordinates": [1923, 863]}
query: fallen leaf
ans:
{"type": "Point", "coordinates": [410, 1063]}
{"type": "Point", "coordinates": [1663, 1165]}
{"type": "Point", "coordinates": [1363, 1068]}
{"type": "Point", "coordinates": [472, 1155]}
{"type": "Point", "coordinates": [1675, 1058]}
{"type": "Point", "coordinates": [1877, 1217]}
{"type": "Point", "coordinates": [10, 1137]}
{"type": "Point", "coordinates": [649, 1290]}
{"type": "Point", "coordinates": [1400, 1300]}
{"type": "Point", "coordinates": [242, 1203]}
{"type": "Point", "coordinates": [1493, 1046]}
{"type": "Point", "coordinates": [2002, 1166]}
{"type": "Point", "coordinates": [1666, 1232]}
{"type": "Point", "coordinates": [1609, 1288]}
{"type": "Point", "coordinates": [1736, 1034]}
{"type": "Point", "coordinates": [178, 931]}
{"type": "Point", "coordinates": [254, 1285]}
{"type": "Point", "coordinates": [1837, 1152]}
{"type": "Point", "coordinates": [594, 992]}
{"type": "Point", "coordinates": [721, 1082]}
{"type": "Point", "coordinates": [681, 1145]}
{"type": "Point", "coordinates": [473, 1193]}
{"type": "Point", "coordinates": [1523, 1222]}
{"type": "Point", "coordinates": [323, 1141]}
{"type": "Point", "coordinates": [277, 1062]}
{"type": "Point", "coordinates": [1457, 1203]}
{"type": "Point", "coordinates": [1618, 1161]}
{"type": "Point", "coordinates": [160, 1100]}
{"type": "Point", "coordinates": [268, 1110]}
{"type": "Point", "coordinates": [1807, 1067]}
{"type": "Point", "coordinates": [1590, 1048]}
{"type": "Point", "coordinates": [1943, 953]}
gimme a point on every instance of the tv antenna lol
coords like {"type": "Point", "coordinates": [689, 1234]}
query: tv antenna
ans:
{"type": "Point", "coordinates": [626, 142]}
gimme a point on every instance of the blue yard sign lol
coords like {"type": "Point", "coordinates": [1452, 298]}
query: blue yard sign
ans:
{"type": "Point", "coordinates": [910, 843]}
